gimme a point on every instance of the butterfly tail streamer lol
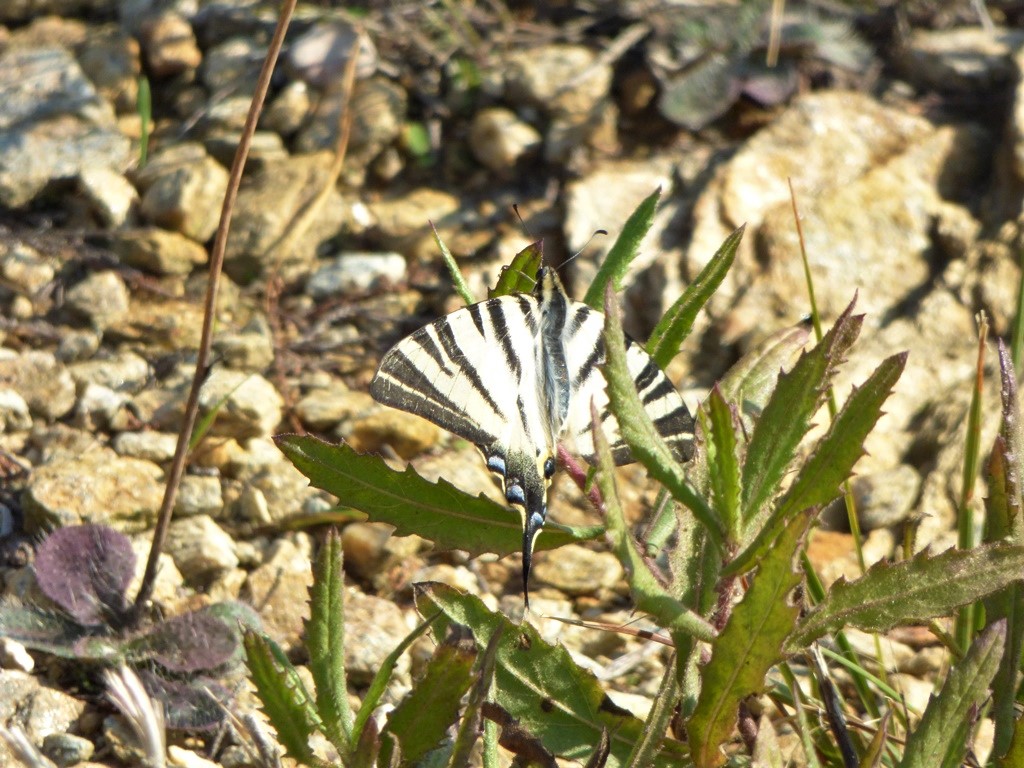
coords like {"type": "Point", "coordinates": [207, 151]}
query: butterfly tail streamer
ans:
{"type": "Point", "coordinates": [534, 522]}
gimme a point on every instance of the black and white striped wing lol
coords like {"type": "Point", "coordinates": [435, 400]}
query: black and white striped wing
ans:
{"type": "Point", "coordinates": [474, 373]}
{"type": "Point", "coordinates": [584, 345]}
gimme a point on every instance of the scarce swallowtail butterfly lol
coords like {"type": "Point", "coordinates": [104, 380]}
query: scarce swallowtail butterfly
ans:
{"type": "Point", "coordinates": [515, 375]}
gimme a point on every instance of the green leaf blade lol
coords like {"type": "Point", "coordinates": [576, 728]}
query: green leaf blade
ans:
{"type": "Point", "coordinates": [325, 641]}
{"type": "Point", "coordinates": [723, 434]}
{"type": "Point", "coordinates": [521, 275]}
{"type": "Point", "coordinates": [938, 738]}
{"type": "Point", "coordinates": [458, 281]}
{"type": "Point", "coordinates": [639, 432]}
{"type": "Point", "coordinates": [421, 720]}
{"type": "Point", "coordinates": [912, 591]}
{"type": "Point", "coordinates": [627, 246]}
{"type": "Point", "coordinates": [786, 418]}
{"type": "Point", "coordinates": [673, 328]}
{"type": "Point", "coordinates": [832, 460]}
{"type": "Point", "coordinates": [451, 518]}
{"type": "Point", "coordinates": [748, 646]}
{"type": "Point", "coordinates": [285, 699]}
{"type": "Point", "coordinates": [540, 685]}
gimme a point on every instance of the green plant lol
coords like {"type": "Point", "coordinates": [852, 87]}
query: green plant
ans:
{"type": "Point", "coordinates": [85, 570]}
{"type": "Point", "coordinates": [734, 592]}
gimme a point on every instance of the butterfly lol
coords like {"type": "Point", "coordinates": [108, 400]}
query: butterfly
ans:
{"type": "Point", "coordinates": [516, 375]}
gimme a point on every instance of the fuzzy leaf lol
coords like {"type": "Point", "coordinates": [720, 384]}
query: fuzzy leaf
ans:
{"type": "Point", "coordinates": [438, 511]}
{"type": "Point", "coordinates": [283, 695]}
{"type": "Point", "coordinates": [723, 436]}
{"type": "Point", "coordinates": [751, 380]}
{"type": "Point", "coordinates": [787, 416]}
{"type": "Point", "coordinates": [41, 630]}
{"type": "Point", "coordinates": [196, 705]}
{"type": "Point", "coordinates": [703, 92]}
{"type": "Point", "coordinates": [86, 570]}
{"type": "Point", "coordinates": [912, 591]}
{"type": "Point", "coordinates": [1014, 758]}
{"type": "Point", "coordinates": [636, 428]}
{"type": "Point", "coordinates": [325, 641]}
{"type": "Point", "coordinates": [1003, 521]}
{"type": "Point", "coordinates": [676, 324]}
{"type": "Point", "coordinates": [648, 594]}
{"type": "Point", "coordinates": [191, 642]}
{"type": "Point", "coordinates": [939, 737]}
{"type": "Point", "coordinates": [541, 687]}
{"type": "Point", "coordinates": [620, 256]}
{"type": "Point", "coordinates": [521, 275]}
{"type": "Point", "coordinates": [832, 460]}
{"type": "Point", "coordinates": [422, 719]}
{"type": "Point", "coordinates": [458, 281]}
{"type": "Point", "coordinates": [749, 645]}
{"type": "Point", "coordinates": [472, 716]}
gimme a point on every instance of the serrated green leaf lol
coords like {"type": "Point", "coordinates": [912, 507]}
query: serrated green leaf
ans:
{"type": "Point", "coordinates": [285, 699]}
{"type": "Point", "coordinates": [723, 446]}
{"type": "Point", "coordinates": [451, 518]}
{"type": "Point", "coordinates": [325, 641]}
{"type": "Point", "coordinates": [379, 684]}
{"type": "Point", "coordinates": [421, 720]}
{"type": "Point", "coordinates": [677, 322]}
{"type": "Point", "coordinates": [912, 591]}
{"type": "Point", "coordinates": [542, 687]}
{"type": "Point", "coordinates": [638, 431]}
{"type": "Point", "coordinates": [472, 716]}
{"type": "Point", "coordinates": [648, 594]}
{"type": "Point", "coordinates": [831, 462]}
{"type": "Point", "coordinates": [751, 380]}
{"type": "Point", "coordinates": [1003, 522]}
{"type": "Point", "coordinates": [939, 737]}
{"type": "Point", "coordinates": [747, 647]}
{"type": "Point", "coordinates": [458, 281]}
{"type": "Point", "coordinates": [787, 416]}
{"type": "Point", "coordinates": [521, 275]}
{"type": "Point", "coordinates": [627, 246]}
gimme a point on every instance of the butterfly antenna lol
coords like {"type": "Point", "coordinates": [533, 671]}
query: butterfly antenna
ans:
{"type": "Point", "coordinates": [526, 229]}
{"type": "Point", "coordinates": [581, 250]}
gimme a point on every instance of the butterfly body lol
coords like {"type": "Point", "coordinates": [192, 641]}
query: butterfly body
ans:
{"type": "Point", "coordinates": [516, 375]}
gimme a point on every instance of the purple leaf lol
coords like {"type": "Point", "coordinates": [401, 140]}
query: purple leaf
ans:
{"type": "Point", "coordinates": [86, 569]}
{"type": "Point", "coordinates": [191, 642]}
{"type": "Point", "coordinates": [194, 706]}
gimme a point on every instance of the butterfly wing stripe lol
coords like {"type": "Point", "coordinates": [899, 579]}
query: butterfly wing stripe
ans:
{"type": "Point", "coordinates": [499, 325]}
{"type": "Point", "coordinates": [401, 384]}
{"type": "Point", "coordinates": [466, 367]}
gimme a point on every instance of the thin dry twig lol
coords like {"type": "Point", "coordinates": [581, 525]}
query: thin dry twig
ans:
{"type": "Point", "coordinates": [206, 338]}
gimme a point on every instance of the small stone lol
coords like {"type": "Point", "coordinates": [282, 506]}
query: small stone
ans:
{"type": "Point", "coordinates": [200, 547]}
{"type": "Point", "coordinates": [289, 110]}
{"type": "Point", "coordinates": [14, 655]}
{"type": "Point", "coordinates": [252, 506]}
{"type": "Point", "coordinates": [158, 251]}
{"type": "Point", "coordinates": [186, 758]}
{"type": "Point", "coordinates": [280, 587]}
{"type": "Point", "coordinates": [961, 60]}
{"type": "Point", "coordinates": [324, 407]}
{"type": "Point", "coordinates": [38, 710]}
{"type": "Point", "coordinates": [184, 188]}
{"type": "Point", "coordinates": [498, 138]}
{"type": "Point", "coordinates": [98, 407]}
{"type": "Point", "coordinates": [122, 372]}
{"type": "Point", "coordinates": [110, 59]}
{"type": "Point", "coordinates": [110, 196]}
{"type": "Point", "coordinates": [14, 412]}
{"type": "Point", "coordinates": [577, 570]}
{"type": "Point", "coordinates": [93, 486]}
{"type": "Point", "coordinates": [364, 548]}
{"type": "Point", "coordinates": [78, 345]}
{"type": "Point", "coordinates": [409, 435]}
{"type": "Point", "coordinates": [319, 56]}
{"type": "Point", "coordinates": [23, 268]}
{"type": "Point", "coordinates": [157, 447]}
{"type": "Point", "coordinates": [372, 624]}
{"type": "Point", "coordinates": [252, 349]}
{"type": "Point", "coordinates": [42, 381]}
{"type": "Point", "coordinates": [557, 78]}
{"type": "Point", "coordinates": [232, 66]}
{"type": "Point", "coordinates": [101, 298]}
{"type": "Point", "coordinates": [67, 749]}
{"type": "Point", "coordinates": [199, 495]}
{"type": "Point", "coordinates": [353, 272]}
{"type": "Point", "coordinates": [169, 44]}
{"type": "Point", "coordinates": [247, 404]}
{"type": "Point", "coordinates": [886, 498]}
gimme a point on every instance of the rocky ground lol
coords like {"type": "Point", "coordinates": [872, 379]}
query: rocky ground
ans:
{"type": "Point", "coordinates": [902, 133]}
